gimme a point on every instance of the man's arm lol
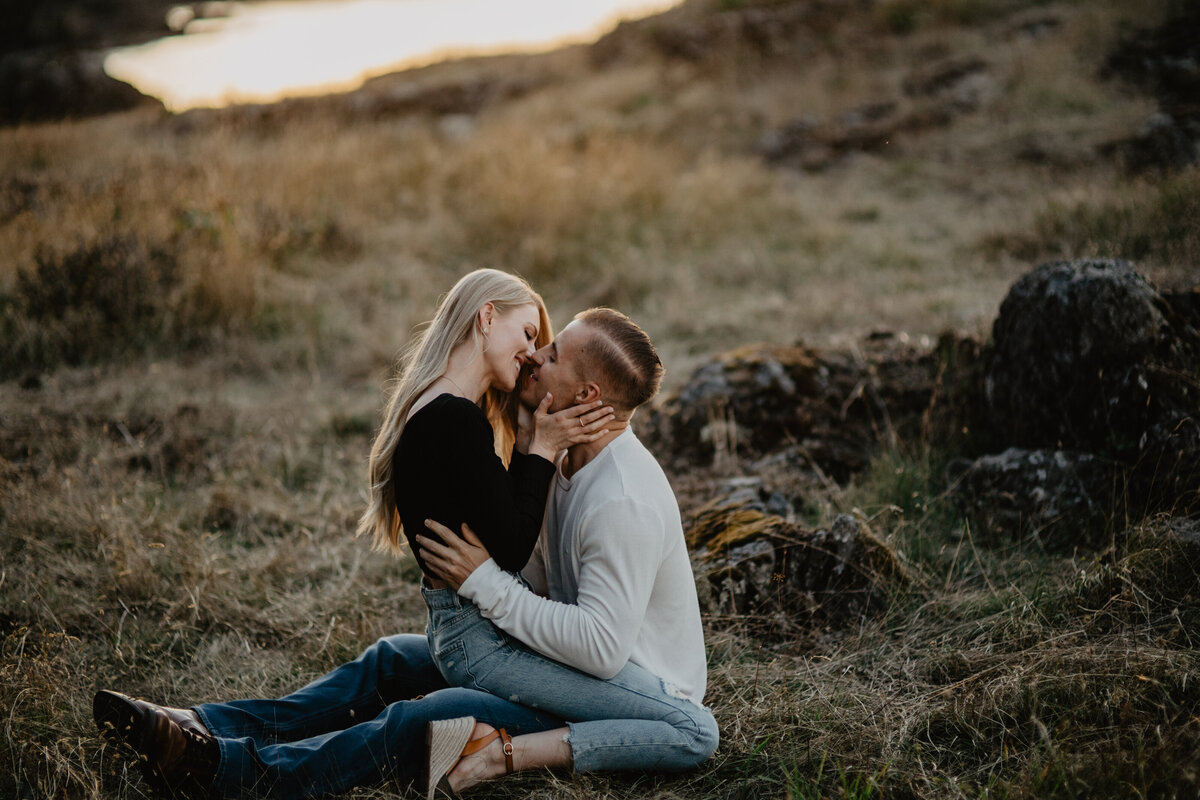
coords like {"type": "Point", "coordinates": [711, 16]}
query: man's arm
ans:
{"type": "Point", "coordinates": [535, 570]}
{"type": "Point", "coordinates": [619, 549]}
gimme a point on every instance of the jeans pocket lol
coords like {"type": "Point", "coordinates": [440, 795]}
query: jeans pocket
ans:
{"type": "Point", "coordinates": [447, 624]}
{"type": "Point", "coordinates": [451, 661]}
{"type": "Point", "coordinates": [467, 654]}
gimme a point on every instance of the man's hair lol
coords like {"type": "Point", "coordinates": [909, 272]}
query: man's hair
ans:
{"type": "Point", "coordinates": [619, 354]}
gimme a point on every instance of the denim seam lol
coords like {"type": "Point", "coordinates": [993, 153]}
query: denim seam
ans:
{"type": "Point", "coordinates": [696, 727]}
{"type": "Point", "coordinates": [223, 765]}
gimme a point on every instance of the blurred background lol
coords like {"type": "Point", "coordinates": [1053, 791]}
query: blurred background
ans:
{"type": "Point", "coordinates": [203, 292]}
{"type": "Point", "coordinates": [732, 171]}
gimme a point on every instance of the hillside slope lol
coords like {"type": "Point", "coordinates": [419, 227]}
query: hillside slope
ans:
{"type": "Point", "coordinates": [200, 313]}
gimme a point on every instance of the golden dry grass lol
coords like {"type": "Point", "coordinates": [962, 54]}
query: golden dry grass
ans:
{"type": "Point", "coordinates": [630, 186]}
{"type": "Point", "coordinates": [176, 509]}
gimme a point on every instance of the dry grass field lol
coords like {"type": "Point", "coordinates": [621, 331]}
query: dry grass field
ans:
{"type": "Point", "coordinates": [199, 314]}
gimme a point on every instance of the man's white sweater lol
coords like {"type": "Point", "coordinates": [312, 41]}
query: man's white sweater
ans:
{"type": "Point", "coordinates": [612, 561]}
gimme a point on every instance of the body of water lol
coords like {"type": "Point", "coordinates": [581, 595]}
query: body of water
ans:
{"type": "Point", "coordinates": [263, 52]}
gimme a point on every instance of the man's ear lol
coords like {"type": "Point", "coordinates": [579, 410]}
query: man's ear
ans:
{"type": "Point", "coordinates": [587, 393]}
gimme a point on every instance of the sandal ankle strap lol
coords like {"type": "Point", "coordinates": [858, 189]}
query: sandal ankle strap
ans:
{"type": "Point", "coordinates": [475, 745]}
{"type": "Point", "coordinates": [508, 751]}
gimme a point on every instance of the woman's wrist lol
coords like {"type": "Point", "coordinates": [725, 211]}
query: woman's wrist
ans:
{"type": "Point", "coordinates": [539, 448]}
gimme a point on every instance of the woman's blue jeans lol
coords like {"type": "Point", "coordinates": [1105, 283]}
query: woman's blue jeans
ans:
{"type": "Point", "coordinates": [360, 724]}
{"type": "Point", "coordinates": [630, 721]}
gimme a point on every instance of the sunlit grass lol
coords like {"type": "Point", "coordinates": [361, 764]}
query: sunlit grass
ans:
{"type": "Point", "coordinates": [177, 493]}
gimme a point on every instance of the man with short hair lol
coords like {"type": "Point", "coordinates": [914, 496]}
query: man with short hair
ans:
{"type": "Point", "coordinates": [621, 606]}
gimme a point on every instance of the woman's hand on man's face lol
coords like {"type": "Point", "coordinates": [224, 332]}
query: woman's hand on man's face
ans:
{"type": "Point", "coordinates": [454, 558]}
{"type": "Point", "coordinates": [577, 424]}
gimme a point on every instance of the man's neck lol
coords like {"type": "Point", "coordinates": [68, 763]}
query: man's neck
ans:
{"type": "Point", "coordinates": [580, 455]}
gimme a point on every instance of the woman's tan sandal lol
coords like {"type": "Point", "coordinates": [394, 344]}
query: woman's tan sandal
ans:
{"type": "Point", "coordinates": [449, 742]}
{"type": "Point", "coordinates": [447, 738]}
{"type": "Point", "coordinates": [475, 745]}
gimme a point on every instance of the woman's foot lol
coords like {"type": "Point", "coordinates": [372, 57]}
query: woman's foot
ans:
{"type": "Point", "coordinates": [490, 761]}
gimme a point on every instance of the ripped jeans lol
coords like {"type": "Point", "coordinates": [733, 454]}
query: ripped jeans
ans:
{"type": "Point", "coordinates": [630, 721]}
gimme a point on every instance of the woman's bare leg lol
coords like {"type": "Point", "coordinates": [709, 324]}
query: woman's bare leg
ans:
{"type": "Point", "coordinates": [545, 749]}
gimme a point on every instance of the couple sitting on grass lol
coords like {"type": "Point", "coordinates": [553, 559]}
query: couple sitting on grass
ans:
{"type": "Point", "coordinates": [564, 629]}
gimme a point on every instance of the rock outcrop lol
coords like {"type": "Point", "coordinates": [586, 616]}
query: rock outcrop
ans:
{"type": "Point", "coordinates": [1165, 60]}
{"type": "Point", "coordinates": [1081, 415]}
{"type": "Point", "coordinates": [52, 54]}
{"type": "Point", "coordinates": [1098, 374]}
{"type": "Point", "coordinates": [1058, 497]}
{"type": "Point", "coordinates": [831, 410]}
{"type": "Point", "coordinates": [1085, 356]}
{"type": "Point", "coordinates": [775, 574]}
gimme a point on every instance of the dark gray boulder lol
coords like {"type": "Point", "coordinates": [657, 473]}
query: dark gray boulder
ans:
{"type": "Point", "coordinates": [1079, 359]}
{"type": "Point", "coordinates": [752, 397]}
{"type": "Point", "coordinates": [1060, 498]}
{"type": "Point", "coordinates": [1087, 357]}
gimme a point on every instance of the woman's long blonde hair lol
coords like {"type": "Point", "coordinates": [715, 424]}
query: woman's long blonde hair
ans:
{"type": "Point", "coordinates": [425, 360]}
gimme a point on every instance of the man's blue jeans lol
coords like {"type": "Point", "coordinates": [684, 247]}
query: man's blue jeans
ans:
{"type": "Point", "coordinates": [630, 721]}
{"type": "Point", "coordinates": [360, 724]}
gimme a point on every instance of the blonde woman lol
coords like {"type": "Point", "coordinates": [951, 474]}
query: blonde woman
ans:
{"type": "Point", "coordinates": [453, 412]}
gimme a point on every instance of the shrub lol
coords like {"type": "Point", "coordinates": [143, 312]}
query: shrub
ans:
{"type": "Point", "coordinates": [99, 300]}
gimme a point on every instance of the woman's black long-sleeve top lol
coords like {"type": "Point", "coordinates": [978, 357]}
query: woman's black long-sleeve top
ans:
{"type": "Point", "coordinates": [445, 468]}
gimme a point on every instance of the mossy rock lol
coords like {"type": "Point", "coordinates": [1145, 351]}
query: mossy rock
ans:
{"type": "Point", "coordinates": [761, 568]}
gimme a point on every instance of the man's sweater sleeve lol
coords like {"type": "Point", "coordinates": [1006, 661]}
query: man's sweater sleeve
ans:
{"type": "Point", "coordinates": [535, 570]}
{"type": "Point", "coordinates": [619, 550]}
